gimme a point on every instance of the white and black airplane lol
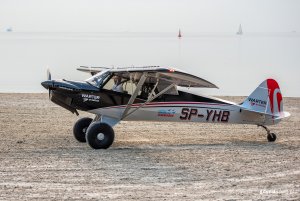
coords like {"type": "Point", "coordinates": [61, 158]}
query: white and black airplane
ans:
{"type": "Point", "coordinates": [150, 94]}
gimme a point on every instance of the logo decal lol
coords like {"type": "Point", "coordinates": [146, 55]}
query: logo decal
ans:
{"type": "Point", "coordinates": [90, 97]}
{"type": "Point", "coordinates": [274, 92]}
{"type": "Point", "coordinates": [254, 101]}
{"type": "Point", "coordinates": [166, 113]}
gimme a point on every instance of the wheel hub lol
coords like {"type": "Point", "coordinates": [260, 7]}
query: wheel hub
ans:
{"type": "Point", "coordinates": [100, 136]}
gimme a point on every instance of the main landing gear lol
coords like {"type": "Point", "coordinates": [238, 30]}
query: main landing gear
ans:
{"type": "Point", "coordinates": [98, 135]}
{"type": "Point", "coordinates": [271, 136]}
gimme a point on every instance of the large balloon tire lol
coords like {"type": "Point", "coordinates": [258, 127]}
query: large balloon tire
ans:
{"type": "Point", "coordinates": [80, 128]}
{"type": "Point", "coordinates": [100, 135]}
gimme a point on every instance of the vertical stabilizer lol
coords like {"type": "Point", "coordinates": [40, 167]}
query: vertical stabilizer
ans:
{"type": "Point", "coordinates": [266, 98]}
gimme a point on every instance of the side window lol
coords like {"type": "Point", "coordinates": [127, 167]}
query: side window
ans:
{"type": "Point", "coordinates": [129, 87]}
{"type": "Point", "coordinates": [127, 82]}
{"type": "Point", "coordinates": [109, 84]}
{"type": "Point", "coordinates": [120, 83]}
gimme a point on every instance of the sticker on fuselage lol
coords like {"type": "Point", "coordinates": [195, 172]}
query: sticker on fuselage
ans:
{"type": "Point", "coordinates": [211, 115]}
{"type": "Point", "coordinates": [166, 113]}
{"type": "Point", "coordinates": [254, 101]}
{"type": "Point", "coordinates": [90, 97]}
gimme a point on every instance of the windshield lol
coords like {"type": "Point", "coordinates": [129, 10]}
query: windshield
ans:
{"type": "Point", "coordinates": [98, 79]}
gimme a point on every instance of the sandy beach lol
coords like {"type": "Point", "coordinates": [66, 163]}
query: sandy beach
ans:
{"type": "Point", "coordinates": [41, 160]}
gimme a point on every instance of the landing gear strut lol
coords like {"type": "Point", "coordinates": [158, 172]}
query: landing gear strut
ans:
{"type": "Point", "coordinates": [271, 136]}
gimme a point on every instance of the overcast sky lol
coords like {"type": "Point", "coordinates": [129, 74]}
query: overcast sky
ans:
{"type": "Point", "coordinates": [259, 56]}
{"type": "Point", "coordinates": [150, 15]}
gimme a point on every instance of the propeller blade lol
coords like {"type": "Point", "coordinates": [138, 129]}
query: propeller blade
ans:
{"type": "Point", "coordinates": [49, 78]}
{"type": "Point", "coordinates": [48, 74]}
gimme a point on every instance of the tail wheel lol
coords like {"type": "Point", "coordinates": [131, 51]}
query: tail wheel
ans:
{"type": "Point", "coordinates": [80, 128]}
{"type": "Point", "coordinates": [271, 137]}
{"type": "Point", "coordinates": [100, 135]}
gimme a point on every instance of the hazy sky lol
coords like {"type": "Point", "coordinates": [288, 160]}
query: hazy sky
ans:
{"type": "Point", "coordinates": [150, 15]}
{"type": "Point", "coordinates": [246, 59]}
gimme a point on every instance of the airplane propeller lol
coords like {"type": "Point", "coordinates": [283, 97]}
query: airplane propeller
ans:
{"type": "Point", "coordinates": [48, 74]}
{"type": "Point", "coordinates": [49, 78]}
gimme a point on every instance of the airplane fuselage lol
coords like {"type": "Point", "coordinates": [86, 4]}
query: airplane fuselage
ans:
{"type": "Point", "coordinates": [184, 107]}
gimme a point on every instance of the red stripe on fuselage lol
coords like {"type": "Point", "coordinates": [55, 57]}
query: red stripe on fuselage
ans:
{"type": "Point", "coordinates": [155, 104]}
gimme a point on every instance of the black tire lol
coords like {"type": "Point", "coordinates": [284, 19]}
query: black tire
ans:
{"type": "Point", "coordinates": [271, 137]}
{"type": "Point", "coordinates": [100, 130]}
{"type": "Point", "coordinates": [80, 128]}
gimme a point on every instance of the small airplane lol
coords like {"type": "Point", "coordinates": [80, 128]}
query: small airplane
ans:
{"type": "Point", "coordinates": [151, 93]}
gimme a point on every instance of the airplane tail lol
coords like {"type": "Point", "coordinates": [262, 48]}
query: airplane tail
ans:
{"type": "Point", "coordinates": [266, 99]}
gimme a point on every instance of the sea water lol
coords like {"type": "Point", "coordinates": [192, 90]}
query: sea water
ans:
{"type": "Point", "coordinates": [237, 64]}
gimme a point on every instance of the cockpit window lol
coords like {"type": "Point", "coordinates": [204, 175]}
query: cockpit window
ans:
{"type": "Point", "coordinates": [98, 79]}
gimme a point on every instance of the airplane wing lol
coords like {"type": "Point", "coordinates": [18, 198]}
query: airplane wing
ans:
{"type": "Point", "coordinates": [91, 70]}
{"type": "Point", "coordinates": [186, 80]}
{"type": "Point", "coordinates": [164, 79]}
{"type": "Point", "coordinates": [171, 75]}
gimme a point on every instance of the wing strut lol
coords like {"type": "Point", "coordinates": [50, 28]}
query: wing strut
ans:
{"type": "Point", "coordinates": [151, 97]}
{"type": "Point", "coordinates": [134, 95]}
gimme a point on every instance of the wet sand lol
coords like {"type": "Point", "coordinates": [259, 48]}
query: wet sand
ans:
{"type": "Point", "coordinates": [41, 160]}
